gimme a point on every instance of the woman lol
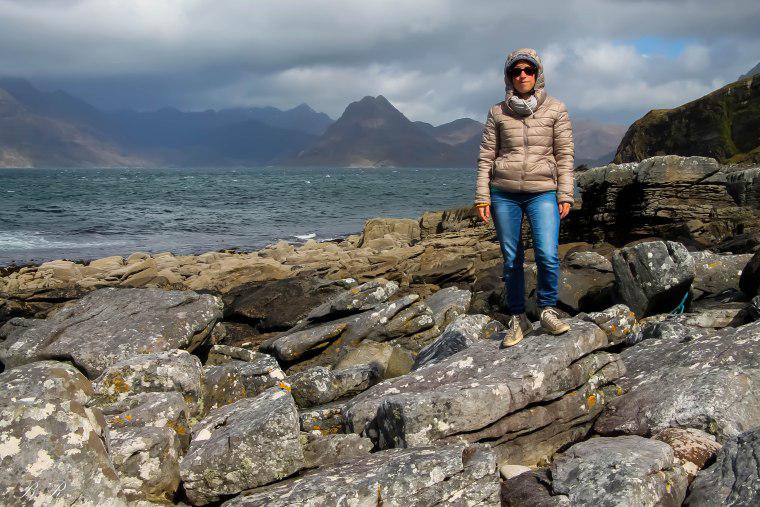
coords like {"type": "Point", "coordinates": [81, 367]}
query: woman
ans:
{"type": "Point", "coordinates": [526, 166]}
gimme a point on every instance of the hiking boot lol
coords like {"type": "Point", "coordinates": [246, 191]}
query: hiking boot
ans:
{"type": "Point", "coordinates": [551, 322]}
{"type": "Point", "coordinates": [517, 328]}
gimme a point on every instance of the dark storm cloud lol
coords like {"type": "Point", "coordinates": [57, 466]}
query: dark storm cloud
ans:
{"type": "Point", "coordinates": [435, 60]}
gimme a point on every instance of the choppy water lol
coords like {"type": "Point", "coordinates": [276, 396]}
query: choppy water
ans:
{"type": "Point", "coordinates": [89, 213]}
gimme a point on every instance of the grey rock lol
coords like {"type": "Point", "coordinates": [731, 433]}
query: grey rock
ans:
{"type": "Point", "coordinates": [618, 321]}
{"type": "Point", "coordinates": [586, 282]}
{"type": "Point", "coordinates": [320, 385]}
{"type": "Point", "coordinates": [457, 336]}
{"type": "Point", "coordinates": [622, 471]}
{"type": "Point", "coordinates": [391, 361]}
{"type": "Point", "coordinates": [744, 187]}
{"type": "Point", "coordinates": [327, 418]}
{"type": "Point", "coordinates": [530, 488]}
{"type": "Point", "coordinates": [249, 443]}
{"type": "Point", "coordinates": [715, 273]}
{"type": "Point", "coordinates": [451, 475]}
{"type": "Point", "coordinates": [295, 345]}
{"type": "Point", "coordinates": [110, 325]}
{"type": "Point", "coordinates": [692, 448]}
{"type": "Point", "coordinates": [147, 462]}
{"type": "Point", "coordinates": [717, 318]}
{"type": "Point", "coordinates": [448, 304]}
{"type": "Point", "coordinates": [322, 450]}
{"type": "Point", "coordinates": [171, 370]}
{"type": "Point", "coordinates": [52, 447]}
{"type": "Point", "coordinates": [477, 387]}
{"type": "Point", "coordinates": [220, 354]}
{"type": "Point", "coordinates": [653, 277]}
{"type": "Point", "coordinates": [734, 478]}
{"type": "Point", "coordinates": [412, 319]}
{"type": "Point", "coordinates": [356, 299]}
{"type": "Point", "coordinates": [160, 410]}
{"type": "Point", "coordinates": [234, 380]}
{"type": "Point", "coordinates": [688, 377]}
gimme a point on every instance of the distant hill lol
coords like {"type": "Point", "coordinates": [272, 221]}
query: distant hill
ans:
{"type": "Point", "coordinates": [754, 70]}
{"type": "Point", "coordinates": [724, 124]}
{"type": "Point", "coordinates": [595, 142]}
{"type": "Point", "coordinates": [373, 133]}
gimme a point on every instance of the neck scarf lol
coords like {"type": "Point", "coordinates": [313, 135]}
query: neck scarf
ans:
{"type": "Point", "coordinates": [524, 107]}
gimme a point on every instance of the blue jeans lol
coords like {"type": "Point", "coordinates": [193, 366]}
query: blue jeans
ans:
{"type": "Point", "coordinates": [507, 210]}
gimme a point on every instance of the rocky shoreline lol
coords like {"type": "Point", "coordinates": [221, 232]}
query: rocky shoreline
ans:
{"type": "Point", "coordinates": [367, 370]}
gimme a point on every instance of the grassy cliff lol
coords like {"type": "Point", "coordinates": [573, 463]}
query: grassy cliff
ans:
{"type": "Point", "coordinates": [724, 124]}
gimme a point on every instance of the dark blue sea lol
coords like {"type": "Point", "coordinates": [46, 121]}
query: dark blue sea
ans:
{"type": "Point", "coordinates": [78, 214]}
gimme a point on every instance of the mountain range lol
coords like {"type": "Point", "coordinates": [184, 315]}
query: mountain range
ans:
{"type": "Point", "coordinates": [56, 129]}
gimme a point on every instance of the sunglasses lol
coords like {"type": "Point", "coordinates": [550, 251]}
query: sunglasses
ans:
{"type": "Point", "coordinates": [516, 71]}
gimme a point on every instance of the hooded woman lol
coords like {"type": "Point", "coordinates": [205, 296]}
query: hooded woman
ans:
{"type": "Point", "coordinates": [526, 167]}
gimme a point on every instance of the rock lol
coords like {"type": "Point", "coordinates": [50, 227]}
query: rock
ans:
{"type": "Point", "coordinates": [320, 385]}
{"type": "Point", "coordinates": [390, 361]}
{"type": "Point", "coordinates": [691, 447]}
{"type": "Point", "coordinates": [627, 470]}
{"type": "Point", "coordinates": [749, 281]}
{"type": "Point", "coordinates": [733, 479]}
{"type": "Point", "coordinates": [688, 377]}
{"type": "Point", "coordinates": [717, 318]}
{"type": "Point", "coordinates": [52, 447]}
{"type": "Point", "coordinates": [147, 461]}
{"type": "Point", "coordinates": [531, 488]}
{"type": "Point", "coordinates": [327, 418]}
{"type": "Point", "coordinates": [452, 475]}
{"type": "Point", "coordinates": [363, 297]}
{"type": "Point", "coordinates": [586, 282]}
{"type": "Point", "coordinates": [744, 187]}
{"type": "Point", "coordinates": [412, 319]}
{"type": "Point", "coordinates": [322, 450]}
{"type": "Point", "coordinates": [457, 336]}
{"type": "Point", "coordinates": [406, 229]}
{"type": "Point", "coordinates": [172, 370]}
{"type": "Point", "coordinates": [448, 304]}
{"type": "Point", "coordinates": [292, 346]}
{"type": "Point", "coordinates": [618, 322]}
{"type": "Point", "coordinates": [221, 354]}
{"type": "Point", "coordinates": [279, 305]}
{"type": "Point", "coordinates": [715, 273]}
{"type": "Point", "coordinates": [160, 410]}
{"type": "Point", "coordinates": [234, 380]}
{"type": "Point", "coordinates": [653, 277]}
{"type": "Point", "coordinates": [482, 391]}
{"type": "Point", "coordinates": [247, 444]}
{"type": "Point", "coordinates": [109, 325]}
{"type": "Point", "coordinates": [508, 471]}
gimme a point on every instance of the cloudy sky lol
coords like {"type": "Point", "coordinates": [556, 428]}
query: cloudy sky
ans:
{"type": "Point", "coordinates": [436, 60]}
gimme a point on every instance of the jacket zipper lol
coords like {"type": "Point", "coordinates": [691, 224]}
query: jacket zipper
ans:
{"type": "Point", "coordinates": [525, 153]}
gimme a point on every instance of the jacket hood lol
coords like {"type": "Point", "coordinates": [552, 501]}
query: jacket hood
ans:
{"type": "Point", "coordinates": [530, 55]}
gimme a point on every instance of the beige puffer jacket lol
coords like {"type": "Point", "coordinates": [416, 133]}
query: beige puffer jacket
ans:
{"type": "Point", "coordinates": [527, 153]}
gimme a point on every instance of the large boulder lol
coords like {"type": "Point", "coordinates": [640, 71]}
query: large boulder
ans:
{"type": "Point", "coordinates": [110, 325]}
{"type": "Point", "coordinates": [485, 392]}
{"type": "Point", "coordinates": [456, 474]}
{"type": "Point", "coordinates": [629, 470]}
{"type": "Point", "coordinates": [734, 478]}
{"type": "Point", "coordinates": [715, 273]}
{"type": "Point", "coordinates": [247, 444]}
{"type": "Point", "coordinates": [654, 276]}
{"type": "Point", "coordinates": [52, 448]}
{"type": "Point", "coordinates": [688, 377]}
{"type": "Point", "coordinates": [586, 282]}
{"type": "Point", "coordinates": [320, 385]}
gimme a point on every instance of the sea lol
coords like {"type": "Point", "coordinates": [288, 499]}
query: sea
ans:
{"type": "Point", "coordinates": [83, 214]}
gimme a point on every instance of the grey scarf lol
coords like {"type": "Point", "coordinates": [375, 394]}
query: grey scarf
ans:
{"type": "Point", "coordinates": [524, 107]}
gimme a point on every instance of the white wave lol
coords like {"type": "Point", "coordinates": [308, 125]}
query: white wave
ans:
{"type": "Point", "coordinates": [307, 181]}
{"type": "Point", "coordinates": [24, 240]}
{"type": "Point", "coordinates": [306, 236]}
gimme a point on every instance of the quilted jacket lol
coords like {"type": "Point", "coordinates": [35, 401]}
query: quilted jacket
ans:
{"type": "Point", "coordinates": [526, 153]}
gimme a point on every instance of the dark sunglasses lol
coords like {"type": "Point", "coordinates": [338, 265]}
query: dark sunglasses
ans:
{"type": "Point", "coordinates": [515, 71]}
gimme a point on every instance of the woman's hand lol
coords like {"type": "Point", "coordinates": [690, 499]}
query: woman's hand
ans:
{"type": "Point", "coordinates": [484, 212]}
{"type": "Point", "coordinates": [564, 209]}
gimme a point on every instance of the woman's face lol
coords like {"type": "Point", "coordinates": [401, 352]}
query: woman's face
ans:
{"type": "Point", "coordinates": [521, 81]}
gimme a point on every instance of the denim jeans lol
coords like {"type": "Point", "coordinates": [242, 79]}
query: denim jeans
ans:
{"type": "Point", "coordinates": [541, 208]}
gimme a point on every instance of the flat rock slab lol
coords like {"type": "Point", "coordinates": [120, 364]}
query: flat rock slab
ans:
{"type": "Point", "coordinates": [247, 444]}
{"type": "Point", "coordinates": [52, 448]}
{"type": "Point", "coordinates": [688, 377]}
{"type": "Point", "coordinates": [110, 325]}
{"type": "Point", "coordinates": [623, 471]}
{"type": "Point", "coordinates": [449, 475]}
{"type": "Point", "coordinates": [715, 273]}
{"type": "Point", "coordinates": [734, 478]}
{"type": "Point", "coordinates": [474, 388]}
{"type": "Point", "coordinates": [458, 335]}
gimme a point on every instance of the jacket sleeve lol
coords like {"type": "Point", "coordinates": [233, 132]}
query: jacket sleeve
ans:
{"type": "Point", "coordinates": [564, 151]}
{"type": "Point", "coordinates": [489, 147]}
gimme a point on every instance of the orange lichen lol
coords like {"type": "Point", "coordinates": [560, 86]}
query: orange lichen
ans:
{"type": "Point", "coordinates": [284, 385]}
{"type": "Point", "coordinates": [591, 401]}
